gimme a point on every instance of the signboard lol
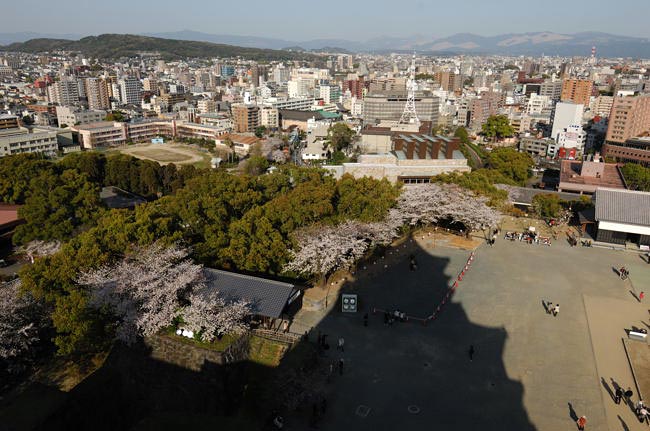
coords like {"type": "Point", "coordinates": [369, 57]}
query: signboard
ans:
{"type": "Point", "coordinates": [349, 303]}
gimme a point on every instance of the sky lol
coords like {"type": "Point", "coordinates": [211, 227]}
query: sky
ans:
{"type": "Point", "coordinates": [302, 20]}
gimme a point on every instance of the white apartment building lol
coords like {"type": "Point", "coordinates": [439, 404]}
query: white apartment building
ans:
{"type": "Point", "coordinates": [300, 87]}
{"type": "Point", "coordinates": [295, 104]}
{"type": "Point", "coordinates": [538, 105]}
{"type": "Point", "coordinates": [70, 116]}
{"type": "Point", "coordinates": [573, 136]}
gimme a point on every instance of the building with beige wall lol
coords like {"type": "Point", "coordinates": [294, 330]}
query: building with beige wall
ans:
{"type": "Point", "coordinates": [630, 117]}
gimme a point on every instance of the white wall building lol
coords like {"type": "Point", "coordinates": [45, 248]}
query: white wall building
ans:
{"type": "Point", "coordinates": [566, 114]}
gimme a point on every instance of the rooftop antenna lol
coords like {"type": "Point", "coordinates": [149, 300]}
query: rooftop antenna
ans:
{"type": "Point", "coordinates": [410, 116]}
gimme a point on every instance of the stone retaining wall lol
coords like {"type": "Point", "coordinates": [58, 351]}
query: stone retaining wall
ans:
{"type": "Point", "coordinates": [167, 349]}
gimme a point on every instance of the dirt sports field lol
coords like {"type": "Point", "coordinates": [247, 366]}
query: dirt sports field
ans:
{"type": "Point", "coordinates": [166, 153]}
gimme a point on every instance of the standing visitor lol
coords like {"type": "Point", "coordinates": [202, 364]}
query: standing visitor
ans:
{"type": "Point", "coordinates": [341, 344]}
{"type": "Point", "coordinates": [341, 362]}
{"type": "Point", "coordinates": [556, 310]}
{"type": "Point", "coordinates": [618, 395]}
{"type": "Point", "coordinates": [582, 422]}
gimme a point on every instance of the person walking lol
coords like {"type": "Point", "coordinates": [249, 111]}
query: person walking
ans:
{"type": "Point", "coordinates": [628, 396]}
{"type": "Point", "coordinates": [641, 296]}
{"type": "Point", "coordinates": [365, 319]}
{"type": "Point", "coordinates": [556, 310]}
{"type": "Point", "coordinates": [341, 344]}
{"type": "Point", "coordinates": [471, 353]}
{"type": "Point", "coordinates": [582, 422]}
{"type": "Point", "coordinates": [341, 362]}
{"type": "Point", "coordinates": [618, 395]}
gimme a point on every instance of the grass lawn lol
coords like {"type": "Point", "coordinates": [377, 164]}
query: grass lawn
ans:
{"type": "Point", "coordinates": [266, 352]}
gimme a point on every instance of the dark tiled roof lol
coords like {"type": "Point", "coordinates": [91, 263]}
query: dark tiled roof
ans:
{"type": "Point", "coordinates": [267, 297]}
{"type": "Point", "coordinates": [290, 114]}
{"type": "Point", "coordinates": [623, 206]}
{"type": "Point", "coordinates": [524, 196]}
{"type": "Point", "coordinates": [115, 198]}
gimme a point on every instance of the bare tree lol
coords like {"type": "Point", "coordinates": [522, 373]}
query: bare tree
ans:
{"type": "Point", "coordinates": [21, 319]}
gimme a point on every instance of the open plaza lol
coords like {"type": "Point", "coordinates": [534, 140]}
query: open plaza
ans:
{"type": "Point", "coordinates": [529, 369]}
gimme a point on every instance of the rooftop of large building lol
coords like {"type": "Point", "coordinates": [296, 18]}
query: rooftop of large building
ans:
{"type": "Point", "coordinates": [591, 173]}
{"type": "Point", "coordinates": [623, 206]}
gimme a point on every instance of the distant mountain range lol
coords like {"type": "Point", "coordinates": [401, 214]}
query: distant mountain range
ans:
{"type": "Point", "coordinates": [112, 46]}
{"type": "Point", "coordinates": [532, 44]}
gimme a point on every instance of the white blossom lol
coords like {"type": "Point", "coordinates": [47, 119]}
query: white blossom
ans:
{"type": "Point", "coordinates": [209, 315]}
{"type": "Point", "coordinates": [323, 249]}
{"type": "Point", "coordinates": [151, 286]}
{"type": "Point", "coordinates": [21, 318]}
{"type": "Point", "coordinates": [145, 288]}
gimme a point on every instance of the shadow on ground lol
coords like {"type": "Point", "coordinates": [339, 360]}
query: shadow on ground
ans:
{"type": "Point", "coordinates": [405, 376]}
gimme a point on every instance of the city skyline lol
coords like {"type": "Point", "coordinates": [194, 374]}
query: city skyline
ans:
{"type": "Point", "coordinates": [359, 21]}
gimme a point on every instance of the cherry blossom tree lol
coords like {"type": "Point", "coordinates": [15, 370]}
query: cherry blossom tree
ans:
{"type": "Point", "coordinates": [323, 249]}
{"type": "Point", "coordinates": [210, 316]}
{"type": "Point", "coordinates": [150, 287]}
{"type": "Point", "coordinates": [145, 289]}
{"type": "Point", "coordinates": [434, 203]}
{"type": "Point", "coordinates": [21, 319]}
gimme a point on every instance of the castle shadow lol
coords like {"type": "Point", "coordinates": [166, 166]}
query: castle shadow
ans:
{"type": "Point", "coordinates": [405, 376]}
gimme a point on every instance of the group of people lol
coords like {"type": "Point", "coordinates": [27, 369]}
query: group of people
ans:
{"type": "Point", "coordinates": [640, 409]}
{"type": "Point", "coordinates": [529, 237]}
{"type": "Point", "coordinates": [552, 309]}
{"type": "Point", "coordinates": [391, 316]}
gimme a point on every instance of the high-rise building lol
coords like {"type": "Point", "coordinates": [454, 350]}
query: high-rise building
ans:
{"type": "Point", "coordinates": [246, 118]}
{"type": "Point", "coordinates": [130, 91]}
{"type": "Point", "coordinates": [577, 91]}
{"type": "Point", "coordinates": [566, 114]}
{"type": "Point", "coordinates": [64, 92]}
{"type": "Point", "coordinates": [97, 93]}
{"type": "Point", "coordinates": [630, 117]}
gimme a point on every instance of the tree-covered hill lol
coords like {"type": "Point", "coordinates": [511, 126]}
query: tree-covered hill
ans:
{"type": "Point", "coordinates": [107, 46]}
